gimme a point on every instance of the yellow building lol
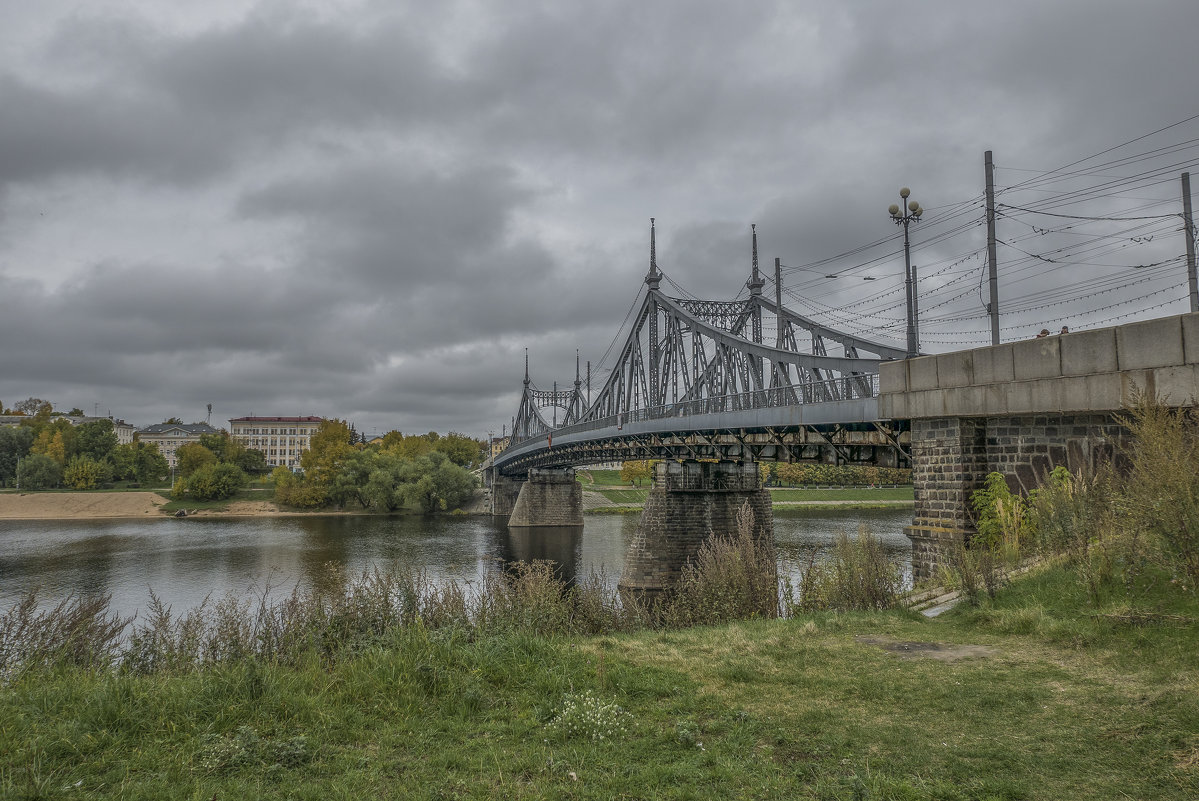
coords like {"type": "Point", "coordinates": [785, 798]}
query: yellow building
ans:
{"type": "Point", "coordinates": [169, 436]}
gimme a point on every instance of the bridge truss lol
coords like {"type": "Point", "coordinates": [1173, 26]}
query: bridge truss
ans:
{"type": "Point", "coordinates": [687, 358]}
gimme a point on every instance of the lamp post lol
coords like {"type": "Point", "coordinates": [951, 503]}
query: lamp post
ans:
{"type": "Point", "coordinates": [903, 215]}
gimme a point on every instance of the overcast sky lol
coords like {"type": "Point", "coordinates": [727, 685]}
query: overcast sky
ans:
{"type": "Point", "coordinates": [368, 210]}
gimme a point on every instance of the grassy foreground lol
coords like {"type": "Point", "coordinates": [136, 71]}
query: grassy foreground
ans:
{"type": "Point", "coordinates": [1060, 700]}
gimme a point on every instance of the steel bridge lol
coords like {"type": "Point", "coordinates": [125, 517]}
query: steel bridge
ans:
{"type": "Point", "coordinates": [695, 380]}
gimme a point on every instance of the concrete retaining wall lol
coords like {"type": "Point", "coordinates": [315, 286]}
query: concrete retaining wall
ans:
{"type": "Point", "coordinates": [1023, 408]}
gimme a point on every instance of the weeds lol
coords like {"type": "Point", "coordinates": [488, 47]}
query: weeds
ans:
{"type": "Point", "coordinates": [583, 716]}
{"type": "Point", "coordinates": [1162, 489]}
{"type": "Point", "coordinates": [342, 615]}
{"type": "Point", "coordinates": [79, 631]}
{"type": "Point", "coordinates": [859, 575]}
{"type": "Point", "coordinates": [731, 578]}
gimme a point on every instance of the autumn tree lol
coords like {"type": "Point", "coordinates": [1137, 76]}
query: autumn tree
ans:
{"type": "Point", "coordinates": [637, 470]}
{"type": "Point", "coordinates": [85, 473]}
{"type": "Point", "coordinates": [192, 456]}
{"type": "Point", "coordinates": [50, 443]}
{"type": "Point", "coordinates": [327, 449]}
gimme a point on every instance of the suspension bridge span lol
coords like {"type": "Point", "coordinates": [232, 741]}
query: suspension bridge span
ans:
{"type": "Point", "coordinates": [697, 385]}
{"type": "Point", "coordinates": [695, 379]}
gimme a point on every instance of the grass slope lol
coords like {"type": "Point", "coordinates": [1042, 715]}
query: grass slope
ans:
{"type": "Point", "coordinates": [1068, 704]}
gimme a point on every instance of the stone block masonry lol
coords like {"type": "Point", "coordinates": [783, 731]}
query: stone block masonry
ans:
{"type": "Point", "coordinates": [951, 457]}
{"type": "Point", "coordinates": [689, 503]}
{"type": "Point", "coordinates": [504, 492]}
{"type": "Point", "coordinates": [551, 497]}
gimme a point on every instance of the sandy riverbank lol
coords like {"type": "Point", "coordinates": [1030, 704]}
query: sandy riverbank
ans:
{"type": "Point", "coordinates": [78, 505]}
{"type": "Point", "coordinates": [101, 505]}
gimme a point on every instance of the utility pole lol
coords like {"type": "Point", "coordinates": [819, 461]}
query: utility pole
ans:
{"type": "Point", "coordinates": [1189, 227]}
{"type": "Point", "coordinates": [905, 213]}
{"type": "Point", "coordinates": [992, 270]}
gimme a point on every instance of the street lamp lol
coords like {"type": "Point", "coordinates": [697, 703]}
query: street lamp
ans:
{"type": "Point", "coordinates": [902, 215]}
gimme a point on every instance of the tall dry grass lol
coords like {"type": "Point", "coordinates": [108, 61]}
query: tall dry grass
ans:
{"type": "Point", "coordinates": [858, 575]}
{"type": "Point", "coordinates": [731, 578]}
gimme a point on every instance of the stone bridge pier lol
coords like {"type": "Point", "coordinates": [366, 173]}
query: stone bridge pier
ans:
{"type": "Point", "coordinates": [689, 503]}
{"type": "Point", "coordinates": [551, 497]}
{"type": "Point", "coordinates": [504, 492]}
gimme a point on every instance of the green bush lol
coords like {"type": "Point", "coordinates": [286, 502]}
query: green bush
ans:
{"type": "Point", "coordinates": [38, 471]}
{"type": "Point", "coordinates": [85, 473]}
{"type": "Point", "coordinates": [211, 482]}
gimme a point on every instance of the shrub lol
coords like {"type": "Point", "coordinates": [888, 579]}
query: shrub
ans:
{"type": "Point", "coordinates": [1004, 521]}
{"type": "Point", "coordinates": [731, 578]}
{"type": "Point", "coordinates": [859, 575]}
{"type": "Point", "coordinates": [211, 482]}
{"type": "Point", "coordinates": [1163, 483]}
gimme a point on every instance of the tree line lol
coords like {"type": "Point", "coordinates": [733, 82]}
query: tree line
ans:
{"type": "Point", "coordinates": [428, 472]}
{"type": "Point", "coordinates": [47, 451]}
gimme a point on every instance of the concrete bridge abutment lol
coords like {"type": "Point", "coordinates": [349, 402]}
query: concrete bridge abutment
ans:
{"type": "Point", "coordinates": [689, 503]}
{"type": "Point", "coordinates": [1021, 409]}
{"type": "Point", "coordinates": [551, 497]}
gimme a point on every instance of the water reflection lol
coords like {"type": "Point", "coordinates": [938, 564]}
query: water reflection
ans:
{"type": "Point", "coordinates": [558, 544]}
{"type": "Point", "coordinates": [184, 561]}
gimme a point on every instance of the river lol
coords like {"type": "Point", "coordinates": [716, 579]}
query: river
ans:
{"type": "Point", "coordinates": [185, 560]}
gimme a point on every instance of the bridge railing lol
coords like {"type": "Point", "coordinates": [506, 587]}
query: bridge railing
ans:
{"type": "Point", "coordinates": [831, 389]}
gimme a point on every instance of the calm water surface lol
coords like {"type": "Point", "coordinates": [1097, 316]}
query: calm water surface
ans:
{"type": "Point", "coordinates": [185, 560]}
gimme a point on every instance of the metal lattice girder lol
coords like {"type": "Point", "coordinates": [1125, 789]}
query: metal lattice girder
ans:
{"type": "Point", "coordinates": [687, 357]}
{"type": "Point", "coordinates": [862, 444]}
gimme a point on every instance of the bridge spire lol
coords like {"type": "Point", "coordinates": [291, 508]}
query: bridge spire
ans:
{"type": "Point", "coordinates": [654, 277]}
{"type": "Point", "coordinates": [756, 281]}
{"type": "Point", "coordinates": [526, 367]}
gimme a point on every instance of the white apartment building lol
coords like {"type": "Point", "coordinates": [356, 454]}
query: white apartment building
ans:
{"type": "Point", "coordinates": [169, 436]}
{"type": "Point", "coordinates": [281, 439]}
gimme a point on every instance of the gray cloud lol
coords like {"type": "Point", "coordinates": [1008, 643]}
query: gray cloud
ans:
{"type": "Point", "coordinates": [371, 213]}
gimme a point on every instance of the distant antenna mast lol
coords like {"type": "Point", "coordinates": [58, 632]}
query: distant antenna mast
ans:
{"type": "Point", "coordinates": [208, 419]}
